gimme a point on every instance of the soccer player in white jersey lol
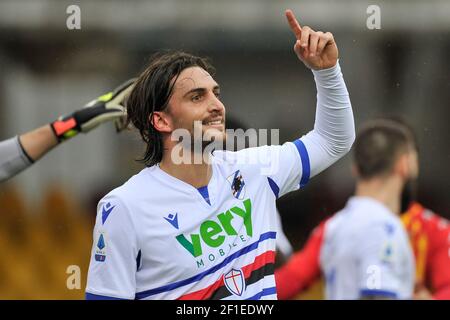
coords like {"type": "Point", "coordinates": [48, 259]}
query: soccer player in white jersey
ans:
{"type": "Point", "coordinates": [207, 230]}
{"type": "Point", "coordinates": [365, 250]}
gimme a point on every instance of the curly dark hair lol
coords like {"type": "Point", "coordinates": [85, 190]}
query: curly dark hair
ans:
{"type": "Point", "coordinates": [152, 92]}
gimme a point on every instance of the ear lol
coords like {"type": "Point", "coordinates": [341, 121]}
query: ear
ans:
{"type": "Point", "coordinates": [402, 165]}
{"type": "Point", "coordinates": [161, 121]}
{"type": "Point", "coordinates": [414, 164]}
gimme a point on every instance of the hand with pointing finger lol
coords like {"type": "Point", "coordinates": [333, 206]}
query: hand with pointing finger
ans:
{"type": "Point", "coordinates": [316, 49]}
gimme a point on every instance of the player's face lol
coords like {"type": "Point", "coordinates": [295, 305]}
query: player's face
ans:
{"type": "Point", "coordinates": [196, 97]}
{"type": "Point", "coordinates": [409, 192]}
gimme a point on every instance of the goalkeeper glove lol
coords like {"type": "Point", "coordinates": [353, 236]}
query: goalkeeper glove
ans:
{"type": "Point", "coordinates": [108, 107]}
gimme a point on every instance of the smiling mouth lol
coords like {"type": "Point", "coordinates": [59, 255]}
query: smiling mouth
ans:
{"type": "Point", "coordinates": [213, 123]}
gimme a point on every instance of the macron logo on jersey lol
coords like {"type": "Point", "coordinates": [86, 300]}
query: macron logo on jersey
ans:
{"type": "Point", "coordinates": [173, 220]}
{"type": "Point", "coordinates": [213, 233]}
{"type": "Point", "coordinates": [107, 208]}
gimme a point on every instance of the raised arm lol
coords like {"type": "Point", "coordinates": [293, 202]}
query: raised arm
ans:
{"type": "Point", "coordinates": [18, 153]}
{"type": "Point", "coordinates": [334, 129]}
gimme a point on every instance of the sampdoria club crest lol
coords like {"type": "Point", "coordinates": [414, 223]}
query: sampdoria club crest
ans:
{"type": "Point", "coordinates": [237, 185]}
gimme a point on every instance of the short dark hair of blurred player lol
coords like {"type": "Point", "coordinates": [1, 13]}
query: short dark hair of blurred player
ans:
{"type": "Point", "coordinates": [19, 152]}
{"type": "Point", "coordinates": [429, 236]}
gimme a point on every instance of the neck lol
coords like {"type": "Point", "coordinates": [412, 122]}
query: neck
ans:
{"type": "Point", "coordinates": [197, 175]}
{"type": "Point", "coordinates": [385, 190]}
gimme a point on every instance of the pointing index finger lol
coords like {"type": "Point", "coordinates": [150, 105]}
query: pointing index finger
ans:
{"type": "Point", "coordinates": [293, 23]}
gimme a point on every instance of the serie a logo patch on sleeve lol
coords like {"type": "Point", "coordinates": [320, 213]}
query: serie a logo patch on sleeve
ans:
{"type": "Point", "coordinates": [388, 252]}
{"type": "Point", "coordinates": [100, 247]}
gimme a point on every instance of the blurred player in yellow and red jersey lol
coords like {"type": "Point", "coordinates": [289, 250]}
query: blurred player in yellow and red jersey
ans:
{"type": "Point", "coordinates": [430, 239]}
{"type": "Point", "coordinates": [429, 236]}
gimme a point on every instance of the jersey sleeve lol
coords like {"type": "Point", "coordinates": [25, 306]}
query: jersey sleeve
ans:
{"type": "Point", "coordinates": [302, 269]}
{"type": "Point", "coordinates": [286, 169]}
{"type": "Point", "coordinates": [379, 252]}
{"type": "Point", "coordinates": [334, 128]}
{"type": "Point", "coordinates": [290, 166]}
{"type": "Point", "coordinates": [281, 166]}
{"type": "Point", "coordinates": [438, 262]}
{"type": "Point", "coordinates": [113, 263]}
{"type": "Point", "coordinates": [13, 159]}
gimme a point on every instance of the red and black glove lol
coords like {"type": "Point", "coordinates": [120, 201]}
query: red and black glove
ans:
{"type": "Point", "coordinates": [108, 107]}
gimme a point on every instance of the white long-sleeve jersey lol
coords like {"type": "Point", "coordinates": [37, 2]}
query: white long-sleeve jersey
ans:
{"type": "Point", "coordinates": [157, 237]}
{"type": "Point", "coordinates": [12, 158]}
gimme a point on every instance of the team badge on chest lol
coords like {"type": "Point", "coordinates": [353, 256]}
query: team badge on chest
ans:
{"type": "Point", "coordinates": [237, 185]}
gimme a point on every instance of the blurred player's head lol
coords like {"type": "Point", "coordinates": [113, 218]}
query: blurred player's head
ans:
{"type": "Point", "coordinates": [409, 192]}
{"type": "Point", "coordinates": [175, 91]}
{"type": "Point", "coordinates": [387, 148]}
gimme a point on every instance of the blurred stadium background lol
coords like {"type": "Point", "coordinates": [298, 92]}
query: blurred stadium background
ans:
{"type": "Point", "coordinates": [47, 212]}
